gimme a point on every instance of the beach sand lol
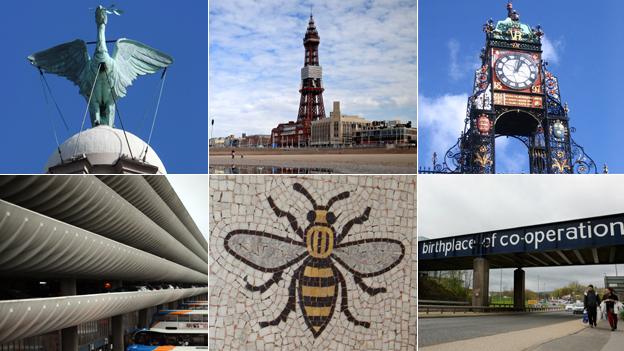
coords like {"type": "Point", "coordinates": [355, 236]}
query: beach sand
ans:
{"type": "Point", "coordinates": [337, 163]}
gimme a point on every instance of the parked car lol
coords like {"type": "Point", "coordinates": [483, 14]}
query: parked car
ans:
{"type": "Point", "coordinates": [578, 308]}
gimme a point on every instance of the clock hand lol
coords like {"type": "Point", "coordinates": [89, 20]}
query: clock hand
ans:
{"type": "Point", "coordinates": [518, 65]}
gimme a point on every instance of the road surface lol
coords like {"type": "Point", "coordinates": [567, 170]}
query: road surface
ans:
{"type": "Point", "coordinates": [433, 331]}
{"type": "Point", "coordinates": [555, 331]}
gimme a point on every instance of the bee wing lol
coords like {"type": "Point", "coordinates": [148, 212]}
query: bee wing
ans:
{"type": "Point", "coordinates": [264, 251]}
{"type": "Point", "coordinates": [369, 257]}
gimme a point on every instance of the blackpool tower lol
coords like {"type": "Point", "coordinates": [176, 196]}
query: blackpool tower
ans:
{"type": "Point", "coordinates": [297, 134]}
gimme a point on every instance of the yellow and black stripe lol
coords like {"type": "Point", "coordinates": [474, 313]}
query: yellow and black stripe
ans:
{"type": "Point", "coordinates": [318, 292]}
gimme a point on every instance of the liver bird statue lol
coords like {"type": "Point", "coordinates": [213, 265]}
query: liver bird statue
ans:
{"type": "Point", "coordinates": [102, 79]}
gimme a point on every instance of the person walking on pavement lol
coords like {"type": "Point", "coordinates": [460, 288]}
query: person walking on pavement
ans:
{"type": "Point", "coordinates": [591, 303]}
{"type": "Point", "coordinates": [610, 299]}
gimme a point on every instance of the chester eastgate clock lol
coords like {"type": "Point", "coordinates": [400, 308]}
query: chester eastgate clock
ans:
{"type": "Point", "coordinates": [516, 70]}
{"type": "Point", "coordinates": [515, 95]}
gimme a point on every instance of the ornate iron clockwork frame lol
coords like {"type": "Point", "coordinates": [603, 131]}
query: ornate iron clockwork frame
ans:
{"type": "Point", "coordinates": [550, 146]}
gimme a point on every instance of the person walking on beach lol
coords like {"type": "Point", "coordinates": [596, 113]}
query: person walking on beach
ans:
{"type": "Point", "coordinates": [610, 299]}
{"type": "Point", "coordinates": [591, 303]}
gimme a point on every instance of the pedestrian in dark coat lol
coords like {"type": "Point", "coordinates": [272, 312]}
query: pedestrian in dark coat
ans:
{"type": "Point", "coordinates": [591, 302]}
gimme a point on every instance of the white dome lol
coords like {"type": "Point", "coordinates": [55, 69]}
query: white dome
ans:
{"type": "Point", "coordinates": [104, 145]}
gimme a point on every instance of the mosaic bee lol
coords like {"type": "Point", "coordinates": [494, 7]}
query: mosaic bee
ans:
{"type": "Point", "coordinates": [316, 280]}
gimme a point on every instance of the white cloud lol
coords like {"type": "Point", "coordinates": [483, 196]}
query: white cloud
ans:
{"type": "Point", "coordinates": [551, 49]}
{"type": "Point", "coordinates": [440, 122]}
{"type": "Point", "coordinates": [368, 53]}
{"type": "Point", "coordinates": [456, 72]}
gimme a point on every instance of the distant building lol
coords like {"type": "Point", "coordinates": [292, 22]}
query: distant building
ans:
{"type": "Point", "coordinates": [217, 142]}
{"type": "Point", "coordinates": [257, 140]}
{"type": "Point", "coordinates": [291, 134]}
{"type": "Point", "coordinates": [337, 130]}
{"type": "Point", "coordinates": [617, 283]}
{"type": "Point", "coordinates": [386, 132]}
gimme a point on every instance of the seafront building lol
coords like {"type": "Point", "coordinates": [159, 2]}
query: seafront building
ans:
{"type": "Point", "coordinates": [337, 130]}
{"type": "Point", "coordinates": [386, 133]}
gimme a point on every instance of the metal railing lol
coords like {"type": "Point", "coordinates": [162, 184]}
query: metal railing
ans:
{"type": "Point", "coordinates": [442, 309]}
{"type": "Point", "coordinates": [443, 303]}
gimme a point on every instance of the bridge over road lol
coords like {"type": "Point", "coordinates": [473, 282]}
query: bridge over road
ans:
{"type": "Point", "coordinates": [587, 241]}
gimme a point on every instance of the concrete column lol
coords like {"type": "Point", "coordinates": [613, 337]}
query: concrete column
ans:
{"type": "Point", "coordinates": [480, 282]}
{"type": "Point", "coordinates": [69, 336]}
{"type": "Point", "coordinates": [519, 289]}
{"type": "Point", "coordinates": [117, 329]}
{"type": "Point", "coordinates": [143, 322]}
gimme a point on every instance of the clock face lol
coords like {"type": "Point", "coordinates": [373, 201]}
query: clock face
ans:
{"type": "Point", "coordinates": [516, 71]}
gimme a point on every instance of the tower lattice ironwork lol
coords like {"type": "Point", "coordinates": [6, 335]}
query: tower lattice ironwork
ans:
{"type": "Point", "coordinates": [311, 105]}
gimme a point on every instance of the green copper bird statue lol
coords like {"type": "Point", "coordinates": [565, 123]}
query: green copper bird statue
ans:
{"type": "Point", "coordinates": [102, 79]}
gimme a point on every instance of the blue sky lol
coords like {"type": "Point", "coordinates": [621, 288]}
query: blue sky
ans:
{"type": "Point", "coordinates": [367, 51]}
{"type": "Point", "coordinates": [583, 50]}
{"type": "Point", "coordinates": [179, 29]}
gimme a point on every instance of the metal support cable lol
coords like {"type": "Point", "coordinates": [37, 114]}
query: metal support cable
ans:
{"type": "Point", "coordinates": [45, 81]}
{"type": "Point", "coordinates": [45, 95]}
{"type": "Point", "coordinates": [163, 77]}
{"type": "Point", "coordinates": [144, 115]}
{"type": "Point", "coordinates": [118, 113]}
{"type": "Point", "coordinates": [87, 109]}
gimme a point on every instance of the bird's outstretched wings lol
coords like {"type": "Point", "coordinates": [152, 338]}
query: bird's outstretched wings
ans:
{"type": "Point", "coordinates": [133, 59]}
{"type": "Point", "coordinates": [68, 60]}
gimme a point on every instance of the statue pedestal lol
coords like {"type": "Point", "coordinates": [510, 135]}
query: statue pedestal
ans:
{"type": "Point", "coordinates": [104, 150]}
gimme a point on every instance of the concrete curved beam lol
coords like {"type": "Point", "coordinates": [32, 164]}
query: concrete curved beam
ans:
{"type": "Point", "coordinates": [30, 317]}
{"type": "Point", "coordinates": [33, 244]}
{"type": "Point", "coordinates": [142, 196]}
{"type": "Point", "coordinates": [162, 186]}
{"type": "Point", "coordinates": [86, 202]}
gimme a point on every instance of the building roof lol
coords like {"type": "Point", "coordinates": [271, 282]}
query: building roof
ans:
{"type": "Point", "coordinates": [506, 28]}
{"type": "Point", "coordinates": [311, 32]}
{"type": "Point", "coordinates": [103, 145]}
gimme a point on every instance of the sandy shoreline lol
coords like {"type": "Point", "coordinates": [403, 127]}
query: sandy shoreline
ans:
{"type": "Point", "coordinates": [338, 163]}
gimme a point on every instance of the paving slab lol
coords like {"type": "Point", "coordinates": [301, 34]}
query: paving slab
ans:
{"type": "Point", "coordinates": [512, 341]}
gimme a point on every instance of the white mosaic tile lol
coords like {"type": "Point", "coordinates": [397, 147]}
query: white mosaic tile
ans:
{"type": "Point", "coordinates": [289, 272]}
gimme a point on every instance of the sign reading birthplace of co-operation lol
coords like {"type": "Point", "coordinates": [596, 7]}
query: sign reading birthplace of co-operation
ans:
{"type": "Point", "coordinates": [570, 235]}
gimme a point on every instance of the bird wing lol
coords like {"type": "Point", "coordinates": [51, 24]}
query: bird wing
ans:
{"type": "Point", "coordinates": [68, 60]}
{"type": "Point", "coordinates": [133, 59]}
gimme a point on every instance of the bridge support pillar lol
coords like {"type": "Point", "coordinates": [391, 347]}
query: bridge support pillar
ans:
{"type": "Point", "coordinates": [519, 289]}
{"type": "Point", "coordinates": [69, 335]}
{"type": "Point", "coordinates": [481, 282]}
